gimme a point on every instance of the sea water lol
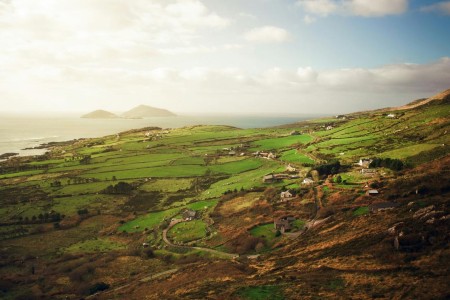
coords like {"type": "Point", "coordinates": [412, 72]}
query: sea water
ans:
{"type": "Point", "coordinates": [20, 131]}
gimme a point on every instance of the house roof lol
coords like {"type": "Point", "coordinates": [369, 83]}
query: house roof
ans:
{"type": "Point", "coordinates": [373, 191]}
{"type": "Point", "coordinates": [189, 213]}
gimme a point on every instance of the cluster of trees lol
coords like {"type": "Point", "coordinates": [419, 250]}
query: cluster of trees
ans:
{"type": "Point", "coordinates": [390, 163]}
{"type": "Point", "coordinates": [42, 218]}
{"type": "Point", "coordinates": [55, 183]}
{"type": "Point", "coordinates": [119, 188]}
{"type": "Point", "coordinates": [85, 160]}
{"type": "Point", "coordinates": [329, 169]}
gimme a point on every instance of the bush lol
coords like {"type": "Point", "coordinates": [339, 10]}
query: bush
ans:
{"type": "Point", "coordinates": [390, 163]}
{"type": "Point", "coordinates": [119, 188]}
{"type": "Point", "coordinates": [83, 211]}
{"type": "Point", "coordinates": [148, 253]}
{"type": "Point", "coordinates": [98, 287]}
{"type": "Point", "coordinates": [329, 169]}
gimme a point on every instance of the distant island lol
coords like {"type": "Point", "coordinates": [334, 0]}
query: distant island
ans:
{"type": "Point", "coordinates": [139, 112]}
{"type": "Point", "coordinates": [145, 111]}
{"type": "Point", "coordinates": [100, 114]}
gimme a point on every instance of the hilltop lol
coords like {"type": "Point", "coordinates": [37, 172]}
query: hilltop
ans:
{"type": "Point", "coordinates": [351, 206]}
{"type": "Point", "coordinates": [100, 114]}
{"type": "Point", "coordinates": [443, 96]}
{"type": "Point", "coordinates": [145, 111]}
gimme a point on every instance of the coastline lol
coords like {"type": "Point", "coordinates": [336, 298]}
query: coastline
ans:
{"type": "Point", "coordinates": [17, 136]}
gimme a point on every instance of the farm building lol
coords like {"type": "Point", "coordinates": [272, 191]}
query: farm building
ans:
{"type": "Point", "coordinates": [364, 162]}
{"type": "Point", "coordinates": [368, 171]}
{"type": "Point", "coordinates": [373, 192]}
{"type": "Point", "coordinates": [269, 178]}
{"type": "Point", "coordinates": [291, 169]}
{"type": "Point", "coordinates": [307, 181]}
{"type": "Point", "coordinates": [284, 224]}
{"type": "Point", "coordinates": [189, 215]}
{"type": "Point", "coordinates": [287, 195]}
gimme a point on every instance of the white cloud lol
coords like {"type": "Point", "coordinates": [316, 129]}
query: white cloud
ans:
{"type": "Point", "coordinates": [441, 7]}
{"type": "Point", "coordinates": [308, 19]}
{"type": "Point", "coordinates": [226, 89]}
{"type": "Point", "coordinates": [318, 7]}
{"type": "Point", "coordinates": [364, 8]}
{"type": "Point", "coordinates": [247, 16]}
{"type": "Point", "coordinates": [101, 31]}
{"type": "Point", "coordinates": [267, 34]}
{"type": "Point", "coordinates": [378, 8]}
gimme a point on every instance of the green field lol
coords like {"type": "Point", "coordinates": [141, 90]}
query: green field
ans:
{"type": "Point", "coordinates": [294, 156]}
{"type": "Point", "coordinates": [266, 232]}
{"type": "Point", "coordinates": [154, 219]}
{"type": "Point", "coordinates": [188, 231]}
{"type": "Point", "coordinates": [281, 142]}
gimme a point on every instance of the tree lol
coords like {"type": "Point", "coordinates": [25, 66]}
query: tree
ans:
{"type": "Point", "coordinates": [85, 160]}
{"type": "Point", "coordinates": [338, 179]}
{"type": "Point", "coordinates": [119, 188]}
{"type": "Point", "coordinates": [98, 287]}
{"type": "Point", "coordinates": [82, 212]}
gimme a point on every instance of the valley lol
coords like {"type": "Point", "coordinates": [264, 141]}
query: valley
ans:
{"type": "Point", "coordinates": [350, 206]}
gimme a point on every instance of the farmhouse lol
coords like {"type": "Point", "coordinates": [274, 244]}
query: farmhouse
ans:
{"type": "Point", "coordinates": [281, 176]}
{"type": "Point", "coordinates": [287, 195]}
{"type": "Point", "coordinates": [364, 162]}
{"type": "Point", "coordinates": [270, 178]}
{"type": "Point", "coordinates": [391, 115]}
{"type": "Point", "coordinates": [373, 193]}
{"type": "Point", "coordinates": [329, 127]}
{"type": "Point", "coordinates": [368, 171]}
{"type": "Point", "coordinates": [307, 181]}
{"type": "Point", "coordinates": [290, 169]}
{"type": "Point", "coordinates": [189, 215]}
{"type": "Point", "coordinates": [283, 224]}
{"type": "Point", "coordinates": [382, 206]}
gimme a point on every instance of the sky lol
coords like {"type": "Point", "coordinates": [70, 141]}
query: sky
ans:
{"type": "Point", "coordinates": [215, 56]}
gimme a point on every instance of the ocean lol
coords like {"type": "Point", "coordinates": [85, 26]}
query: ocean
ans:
{"type": "Point", "coordinates": [19, 131]}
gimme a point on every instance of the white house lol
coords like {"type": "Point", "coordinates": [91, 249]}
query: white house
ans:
{"type": "Point", "coordinates": [286, 196]}
{"type": "Point", "coordinates": [308, 181]}
{"type": "Point", "coordinates": [391, 115]}
{"type": "Point", "coordinates": [364, 162]}
{"type": "Point", "coordinates": [290, 169]}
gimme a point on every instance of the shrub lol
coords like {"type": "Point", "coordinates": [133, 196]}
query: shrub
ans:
{"type": "Point", "coordinates": [119, 188]}
{"type": "Point", "coordinates": [148, 253]}
{"type": "Point", "coordinates": [390, 163]}
{"type": "Point", "coordinates": [98, 287]}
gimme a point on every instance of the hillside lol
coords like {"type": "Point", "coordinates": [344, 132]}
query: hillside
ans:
{"type": "Point", "coordinates": [145, 111]}
{"type": "Point", "coordinates": [100, 114]}
{"type": "Point", "coordinates": [217, 212]}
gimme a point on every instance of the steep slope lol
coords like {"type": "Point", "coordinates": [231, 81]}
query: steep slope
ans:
{"type": "Point", "coordinates": [443, 96]}
{"type": "Point", "coordinates": [145, 111]}
{"type": "Point", "coordinates": [100, 114]}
